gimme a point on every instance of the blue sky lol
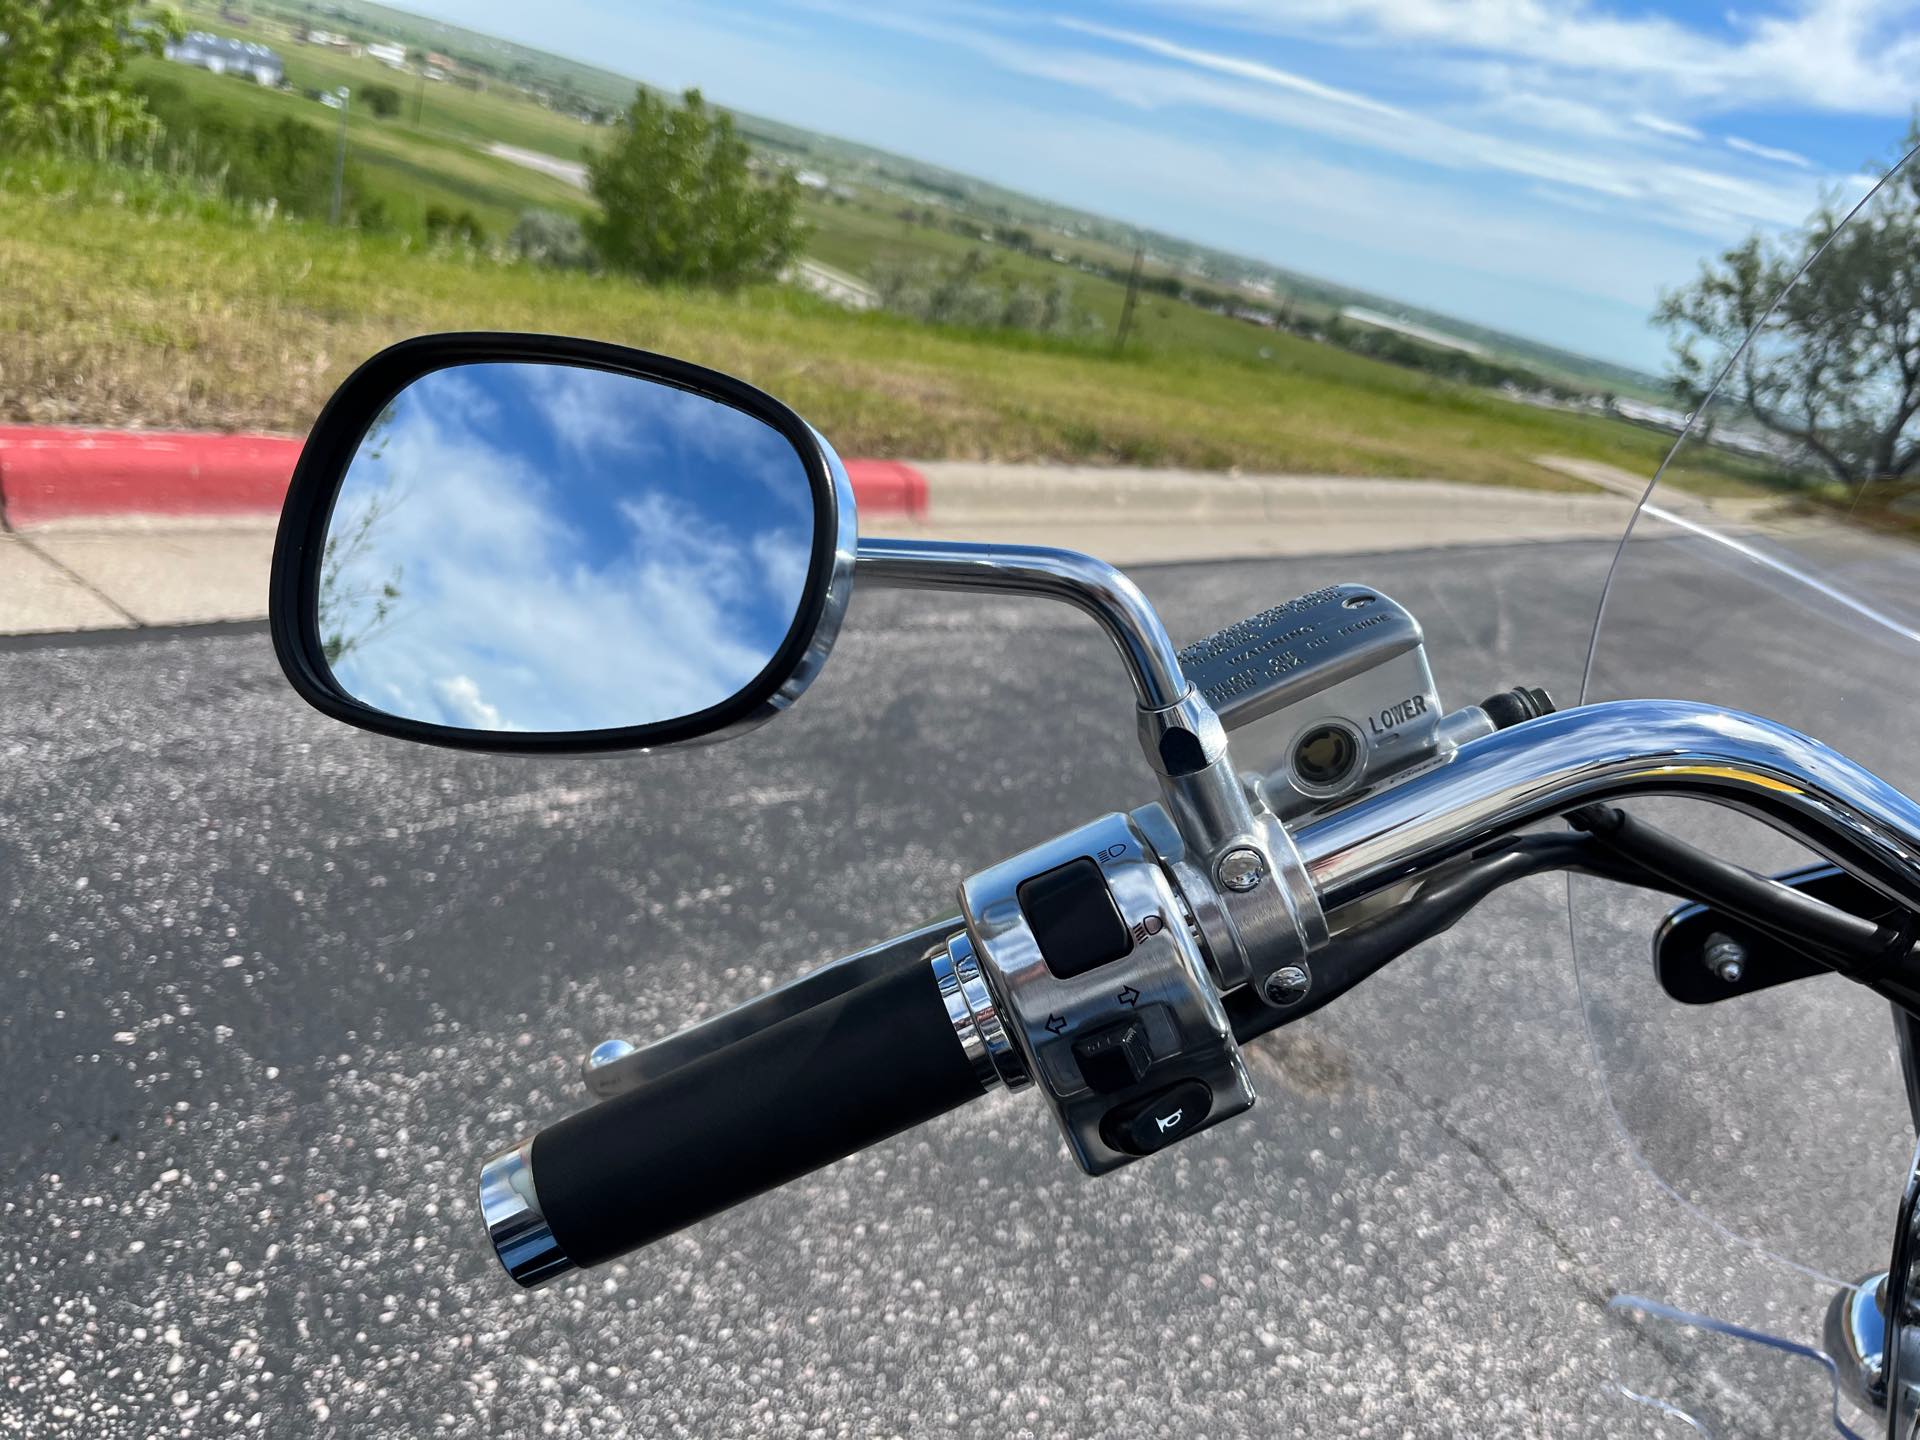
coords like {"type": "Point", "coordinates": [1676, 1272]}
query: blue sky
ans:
{"type": "Point", "coordinates": [1544, 168]}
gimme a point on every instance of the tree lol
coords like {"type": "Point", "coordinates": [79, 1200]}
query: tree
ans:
{"type": "Point", "coordinates": [382, 100]}
{"type": "Point", "coordinates": [1835, 369]}
{"type": "Point", "coordinates": [63, 69]}
{"type": "Point", "coordinates": [680, 201]}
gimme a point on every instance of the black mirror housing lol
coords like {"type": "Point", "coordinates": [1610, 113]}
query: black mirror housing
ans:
{"type": "Point", "coordinates": [369, 397]}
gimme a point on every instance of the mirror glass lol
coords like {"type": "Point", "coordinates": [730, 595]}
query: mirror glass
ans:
{"type": "Point", "coordinates": [547, 548]}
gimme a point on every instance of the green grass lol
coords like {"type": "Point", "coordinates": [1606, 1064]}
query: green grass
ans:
{"type": "Point", "coordinates": [123, 301]}
{"type": "Point", "coordinates": [858, 236]}
{"type": "Point", "coordinates": [440, 162]}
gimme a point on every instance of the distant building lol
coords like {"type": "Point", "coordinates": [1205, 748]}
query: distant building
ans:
{"type": "Point", "coordinates": [228, 57]}
{"type": "Point", "coordinates": [394, 57]}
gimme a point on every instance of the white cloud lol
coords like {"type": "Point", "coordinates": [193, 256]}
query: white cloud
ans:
{"type": "Point", "coordinates": [461, 699]}
{"type": "Point", "coordinates": [1849, 56]}
{"type": "Point", "coordinates": [1673, 129]}
{"type": "Point", "coordinates": [590, 410]}
{"type": "Point", "coordinates": [1237, 67]}
{"type": "Point", "coordinates": [1663, 193]}
{"type": "Point", "coordinates": [1768, 152]}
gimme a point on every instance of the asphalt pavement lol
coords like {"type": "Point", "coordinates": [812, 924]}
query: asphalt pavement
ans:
{"type": "Point", "coordinates": [274, 988]}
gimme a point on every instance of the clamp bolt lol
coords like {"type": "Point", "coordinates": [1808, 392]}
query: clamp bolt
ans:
{"type": "Point", "coordinates": [1242, 870]}
{"type": "Point", "coordinates": [1288, 985]}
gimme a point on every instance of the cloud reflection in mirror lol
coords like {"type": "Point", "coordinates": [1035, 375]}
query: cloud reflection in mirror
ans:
{"type": "Point", "coordinates": [529, 547]}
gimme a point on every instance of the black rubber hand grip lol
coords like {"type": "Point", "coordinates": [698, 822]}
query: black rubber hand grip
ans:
{"type": "Point", "coordinates": [767, 1109]}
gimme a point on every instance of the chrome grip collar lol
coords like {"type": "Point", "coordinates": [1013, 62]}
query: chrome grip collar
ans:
{"type": "Point", "coordinates": [1557, 763]}
{"type": "Point", "coordinates": [522, 1239]}
{"type": "Point", "coordinates": [976, 1018]}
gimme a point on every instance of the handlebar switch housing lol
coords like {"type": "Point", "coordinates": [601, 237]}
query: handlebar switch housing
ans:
{"type": "Point", "coordinates": [1103, 988]}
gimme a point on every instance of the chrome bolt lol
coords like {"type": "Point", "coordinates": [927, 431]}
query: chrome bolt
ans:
{"type": "Point", "coordinates": [1727, 959]}
{"type": "Point", "coordinates": [1242, 870]}
{"type": "Point", "coordinates": [608, 1051]}
{"type": "Point", "coordinates": [1288, 985]}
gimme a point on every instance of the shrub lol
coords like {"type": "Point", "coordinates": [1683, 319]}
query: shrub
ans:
{"type": "Point", "coordinates": [548, 237]}
{"type": "Point", "coordinates": [63, 70]}
{"type": "Point", "coordinates": [464, 227]}
{"type": "Point", "coordinates": [966, 294]}
{"type": "Point", "coordinates": [382, 100]}
{"type": "Point", "coordinates": [284, 161]}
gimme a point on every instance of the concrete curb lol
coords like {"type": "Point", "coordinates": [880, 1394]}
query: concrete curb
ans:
{"type": "Point", "coordinates": [53, 476]}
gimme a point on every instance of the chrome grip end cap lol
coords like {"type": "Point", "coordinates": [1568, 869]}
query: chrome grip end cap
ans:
{"type": "Point", "coordinates": [518, 1228]}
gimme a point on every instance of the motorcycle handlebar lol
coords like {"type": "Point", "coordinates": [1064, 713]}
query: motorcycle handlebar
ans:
{"type": "Point", "coordinates": [885, 1055]}
{"type": "Point", "coordinates": [1561, 762]}
{"type": "Point", "coordinates": [767, 1108]}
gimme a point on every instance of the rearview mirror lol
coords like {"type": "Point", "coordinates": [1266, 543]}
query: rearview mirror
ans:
{"type": "Point", "coordinates": [511, 542]}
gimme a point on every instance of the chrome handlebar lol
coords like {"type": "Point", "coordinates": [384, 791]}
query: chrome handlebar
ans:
{"type": "Point", "coordinates": [1615, 750]}
{"type": "Point", "coordinates": [920, 1000]}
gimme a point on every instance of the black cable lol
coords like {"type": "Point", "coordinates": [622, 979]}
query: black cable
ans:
{"type": "Point", "coordinates": [1611, 845]}
{"type": "Point", "coordinates": [1363, 949]}
{"type": "Point", "coordinates": [1861, 948]}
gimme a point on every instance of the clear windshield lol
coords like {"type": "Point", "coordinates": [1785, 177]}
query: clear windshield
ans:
{"type": "Point", "coordinates": [1773, 567]}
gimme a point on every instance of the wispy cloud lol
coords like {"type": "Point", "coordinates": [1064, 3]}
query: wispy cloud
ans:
{"type": "Point", "coordinates": [1688, 197]}
{"type": "Point", "coordinates": [1673, 129]}
{"type": "Point", "coordinates": [1235, 66]}
{"type": "Point", "coordinates": [1768, 152]}
{"type": "Point", "coordinates": [1851, 56]}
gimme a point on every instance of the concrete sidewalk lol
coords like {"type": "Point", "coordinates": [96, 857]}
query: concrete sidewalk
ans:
{"type": "Point", "coordinates": [1134, 517]}
{"type": "Point", "coordinates": [129, 572]}
{"type": "Point", "coordinates": [130, 575]}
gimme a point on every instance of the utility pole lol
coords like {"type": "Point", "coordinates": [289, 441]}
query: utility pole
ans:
{"type": "Point", "coordinates": [1126, 310]}
{"type": "Point", "coordinates": [340, 158]}
{"type": "Point", "coordinates": [420, 95]}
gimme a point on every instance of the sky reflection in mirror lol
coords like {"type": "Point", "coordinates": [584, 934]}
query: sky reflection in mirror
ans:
{"type": "Point", "coordinates": [543, 548]}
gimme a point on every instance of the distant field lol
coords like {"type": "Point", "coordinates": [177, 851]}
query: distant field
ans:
{"type": "Point", "coordinates": [441, 161]}
{"type": "Point", "coordinates": [411, 167]}
{"type": "Point", "coordinates": [117, 312]}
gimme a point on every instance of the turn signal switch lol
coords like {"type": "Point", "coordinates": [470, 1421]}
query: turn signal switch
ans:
{"type": "Point", "coordinates": [1091, 971]}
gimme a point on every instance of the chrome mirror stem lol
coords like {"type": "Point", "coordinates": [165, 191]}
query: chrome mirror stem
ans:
{"type": "Point", "coordinates": [1267, 913]}
{"type": "Point", "coordinates": [1090, 585]}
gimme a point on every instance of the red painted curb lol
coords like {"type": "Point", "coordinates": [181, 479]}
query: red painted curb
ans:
{"type": "Point", "coordinates": [49, 474]}
{"type": "Point", "coordinates": [887, 487]}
